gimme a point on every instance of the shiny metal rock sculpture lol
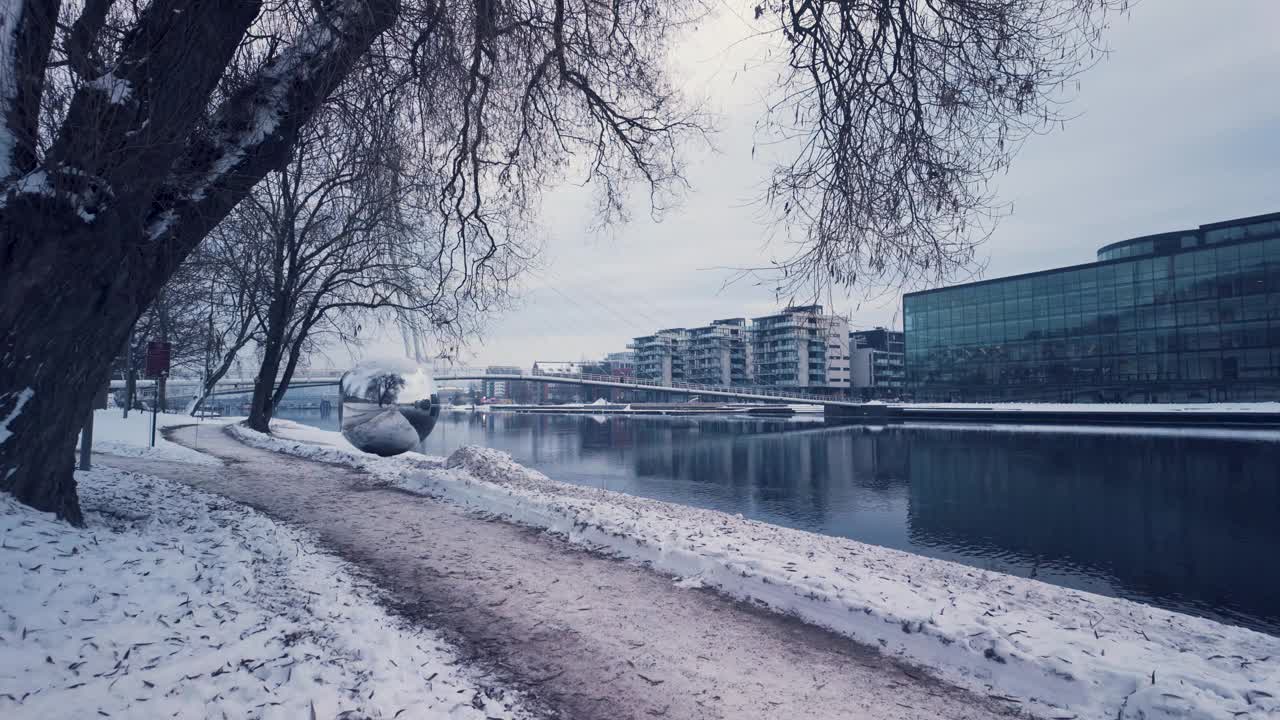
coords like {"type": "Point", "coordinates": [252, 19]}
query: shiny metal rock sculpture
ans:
{"type": "Point", "coordinates": [388, 406]}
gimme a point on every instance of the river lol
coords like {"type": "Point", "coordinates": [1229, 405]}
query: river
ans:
{"type": "Point", "coordinates": [1187, 523]}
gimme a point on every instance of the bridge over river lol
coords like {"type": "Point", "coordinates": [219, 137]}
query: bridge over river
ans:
{"type": "Point", "coordinates": [1213, 415]}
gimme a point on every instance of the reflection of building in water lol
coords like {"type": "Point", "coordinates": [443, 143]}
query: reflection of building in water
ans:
{"type": "Point", "coordinates": [801, 476]}
{"type": "Point", "coordinates": [1164, 517]}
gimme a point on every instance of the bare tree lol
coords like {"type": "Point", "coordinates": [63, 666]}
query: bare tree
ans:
{"type": "Point", "coordinates": [228, 305]}
{"type": "Point", "coordinates": [160, 117]}
{"type": "Point", "coordinates": [903, 112]}
{"type": "Point", "coordinates": [341, 237]}
{"type": "Point", "coordinates": [130, 130]}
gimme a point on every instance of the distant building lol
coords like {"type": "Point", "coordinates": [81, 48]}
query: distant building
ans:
{"type": "Point", "coordinates": [544, 367]}
{"type": "Point", "coordinates": [660, 357]}
{"type": "Point", "coordinates": [802, 347]}
{"type": "Point", "coordinates": [720, 353]}
{"type": "Point", "coordinates": [1192, 315]}
{"type": "Point", "coordinates": [620, 364]}
{"type": "Point", "coordinates": [499, 389]}
{"type": "Point", "coordinates": [557, 392]}
{"type": "Point", "coordinates": [876, 360]}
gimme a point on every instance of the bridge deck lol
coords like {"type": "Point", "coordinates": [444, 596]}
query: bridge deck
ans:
{"type": "Point", "coordinates": [756, 394]}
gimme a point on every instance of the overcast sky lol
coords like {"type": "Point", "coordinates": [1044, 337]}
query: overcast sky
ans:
{"type": "Point", "coordinates": [1179, 126]}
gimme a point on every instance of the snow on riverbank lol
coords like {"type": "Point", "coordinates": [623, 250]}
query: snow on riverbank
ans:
{"type": "Point", "coordinates": [177, 603]}
{"type": "Point", "coordinates": [131, 436]}
{"type": "Point", "coordinates": [1057, 652]}
{"type": "Point", "coordinates": [1177, 408]}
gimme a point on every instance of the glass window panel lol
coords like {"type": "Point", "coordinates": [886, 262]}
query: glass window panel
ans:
{"type": "Point", "coordinates": [1229, 310]}
{"type": "Point", "coordinates": [1186, 313]}
{"type": "Point", "coordinates": [1184, 287]}
{"type": "Point", "coordinates": [1206, 263]}
{"type": "Point", "coordinates": [1127, 343]}
{"type": "Point", "coordinates": [1162, 267]}
{"type": "Point", "coordinates": [1227, 258]}
{"type": "Point", "coordinates": [1263, 229]}
{"type": "Point", "coordinates": [1224, 234]}
{"type": "Point", "coordinates": [1253, 307]}
{"type": "Point", "coordinates": [1144, 269]}
{"type": "Point", "coordinates": [1210, 339]}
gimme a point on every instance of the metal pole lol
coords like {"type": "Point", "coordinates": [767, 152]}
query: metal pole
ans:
{"type": "Point", "coordinates": [155, 408]}
{"type": "Point", "coordinates": [86, 440]}
{"type": "Point", "coordinates": [130, 383]}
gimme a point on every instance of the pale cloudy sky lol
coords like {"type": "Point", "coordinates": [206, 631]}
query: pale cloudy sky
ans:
{"type": "Point", "coordinates": [1179, 126]}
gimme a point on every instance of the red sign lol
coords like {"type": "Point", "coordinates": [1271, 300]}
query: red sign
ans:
{"type": "Point", "coordinates": [157, 358]}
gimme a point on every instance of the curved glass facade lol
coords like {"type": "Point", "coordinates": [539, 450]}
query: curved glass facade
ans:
{"type": "Point", "coordinates": [1195, 319]}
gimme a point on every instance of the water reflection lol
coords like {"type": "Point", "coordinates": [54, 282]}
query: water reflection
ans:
{"type": "Point", "coordinates": [1188, 523]}
{"type": "Point", "coordinates": [1184, 523]}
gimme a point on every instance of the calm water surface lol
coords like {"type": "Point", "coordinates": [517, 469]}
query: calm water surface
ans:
{"type": "Point", "coordinates": [1190, 524]}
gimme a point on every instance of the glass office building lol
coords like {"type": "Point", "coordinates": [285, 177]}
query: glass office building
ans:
{"type": "Point", "coordinates": [1182, 316]}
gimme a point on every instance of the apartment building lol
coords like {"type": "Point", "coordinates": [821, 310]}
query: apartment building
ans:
{"type": "Point", "coordinates": [802, 347]}
{"type": "Point", "coordinates": [499, 389]}
{"type": "Point", "coordinates": [661, 357]}
{"type": "Point", "coordinates": [720, 353]}
{"type": "Point", "coordinates": [876, 362]}
{"type": "Point", "coordinates": [621, 364]}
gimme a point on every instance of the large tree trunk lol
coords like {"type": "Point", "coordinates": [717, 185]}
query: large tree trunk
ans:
{"type": "Point", "coordinates": [128, 196]}
{"type": "Point", "coordinates": [261, 410]}
{"type": "Point", "coordinates": [290, 366]}
{"type": "Point", "coordinates": [263, 407]}
{"type": "Point", "coordinates": [56, 345]}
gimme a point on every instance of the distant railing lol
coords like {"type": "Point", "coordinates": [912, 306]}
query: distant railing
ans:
{"type": "Point", "coordinates": [781, 393]}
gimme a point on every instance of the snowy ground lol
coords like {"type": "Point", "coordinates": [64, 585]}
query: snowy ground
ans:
{"type": "Point", "coordinates": [176, 603]}
{"type": "Point", "coordinates": [131, 436]}
{"type": "Point", "coordinates": [1057, 652]}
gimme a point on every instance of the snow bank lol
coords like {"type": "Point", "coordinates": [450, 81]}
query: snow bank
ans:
{"type": "Point", "coordinates": [1181, 408]}
{"type": "Point", "coordinates": [331, 447]}
{"type": "Point", "coordinates": [1054, 651]}
{"type": "Point", "coordinates": [176, 603]}
{"type": "Point", "coordinates": [1250, 434]}
{"type": "Point", "coordinates": [131, 436]}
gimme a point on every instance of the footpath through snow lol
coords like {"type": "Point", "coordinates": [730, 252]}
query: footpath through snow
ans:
{"type": "Point", "coordinates": [1056, 652]}
{"type": "Point", "coordinates": [588, 636]}
{"type": "Point", "coordinates": [174, 602]}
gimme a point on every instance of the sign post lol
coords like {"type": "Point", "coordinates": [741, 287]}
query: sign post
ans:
{"type": "Point", "coordinates": [86, 433]}
{"type": "Point", "coordinates": [158, 353]}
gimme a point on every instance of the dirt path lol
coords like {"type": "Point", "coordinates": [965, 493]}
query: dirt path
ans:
{"type": "Point", "coordinates": [589, 636]}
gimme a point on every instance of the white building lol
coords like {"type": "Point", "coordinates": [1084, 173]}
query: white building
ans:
{"type": "Point", "coordinates": [802, 347]}
{"type": "Point", "coordinates": [554, 367]}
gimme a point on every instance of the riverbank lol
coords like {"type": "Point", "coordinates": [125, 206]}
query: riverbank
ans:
{"type": "Point", "coordinates": [1264, 416]}
{"type": "Point", "coordinates": [668, 409]}
{"type": "Point", "coordinates": [584, 634]}
{"type": "Point", "coordinates": [1056, 651]}
{"type": "Point", "coordinates": [174, 602]}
